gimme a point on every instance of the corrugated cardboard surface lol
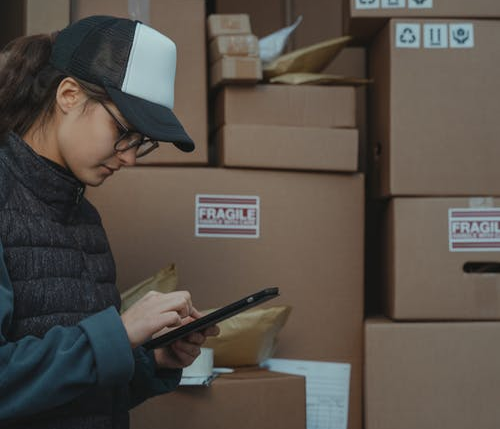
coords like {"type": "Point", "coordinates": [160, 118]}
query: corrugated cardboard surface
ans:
{"type": "Point", "coordinates": [225, 24]}
{"type": "Point", "coordinates": [289, 105]}
{"type": "Point", "coordinates": [310, 245]}
{"type": "Point", "coordinates": [288, 148]}
{"type": "Point", "coordinates": [27, 17]}
{"type": "Point", "coordinates": [363, 24]}
{"type": "Point", "coordinates": [434, 116]}
{"type": "Point", "coordinates": [245, 400]}
{"type": "Point", "coordinates": [432, 375]}
{"type": "Point", "coordinates": [425, 280]}
{"type": "Point", "coordinates": [236, 70]}
{"type": "Point", "coordinates": [184, 22]}
{"type": "Point", "coordinates": [237, 45]}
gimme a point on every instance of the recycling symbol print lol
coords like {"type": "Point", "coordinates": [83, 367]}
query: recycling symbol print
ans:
{"type": "Point", "coordinates": [407, 36]}
{"type": "Point", "coordinates": [367, 1]}
{"type": "Point", "coordinates": [461, 35]}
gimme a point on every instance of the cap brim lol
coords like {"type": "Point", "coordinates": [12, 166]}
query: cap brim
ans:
{"type": "Point", "coordinates": [153, 120]}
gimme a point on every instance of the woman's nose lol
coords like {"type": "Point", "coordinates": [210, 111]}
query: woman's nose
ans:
{"type": "Point", "coordinates": [128, 157]}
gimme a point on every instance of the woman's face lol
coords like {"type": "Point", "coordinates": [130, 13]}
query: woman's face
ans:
{"type": "Point", "coordinates": [86, 138]}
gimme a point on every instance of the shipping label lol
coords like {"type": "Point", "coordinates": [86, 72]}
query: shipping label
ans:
{"type": "Point", "coordinates": [474, 230]}
{"type": "Point", "coordinates": [394, 4]}
{"type": "Point", "coordinates": [229, 216]}
{"type": "Point", "coordinates": [420, 4]}
{"type": "Point", "coordinates": [436, 35]}
{"type": "Point", "coordinates": [407, 35]}
{"type": "Point", "coordinates": [367, 4]}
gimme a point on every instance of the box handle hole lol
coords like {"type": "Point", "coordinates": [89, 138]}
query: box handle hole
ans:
{"type": "Point", "coordinates": [481, 267]}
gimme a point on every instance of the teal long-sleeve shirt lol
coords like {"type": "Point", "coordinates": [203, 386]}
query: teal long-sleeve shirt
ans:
{"type": "Point", "coordinates": [39, 374]}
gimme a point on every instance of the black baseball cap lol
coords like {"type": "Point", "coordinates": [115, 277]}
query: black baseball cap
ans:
{"type": "Point", "coordinates": [134, 63]}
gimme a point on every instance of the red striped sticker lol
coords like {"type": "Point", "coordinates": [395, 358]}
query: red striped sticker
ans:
{"type": "Point", "coordinates": [474, 230]}
{"type": "Point", "coordinates": [226, 216]}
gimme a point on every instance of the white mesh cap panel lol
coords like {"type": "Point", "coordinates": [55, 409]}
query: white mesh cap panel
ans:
{"type": "Point", "coordinates": [151, 67]}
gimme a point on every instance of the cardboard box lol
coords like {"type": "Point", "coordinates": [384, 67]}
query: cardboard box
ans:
{"type": "Point", "coordinates": [442, 259]}
{"type": "Point", "coordinates": [288, 105]}
{"type": "Point", "coordinates": [173, 17]}
{"type": "Point", "coordinates": [235, 70]}
{"type": "Point", "coordinates": [432, 375]}
{"type": "Point", "coordinates": [265, 16]}
{"type": "Point", "coordinates": [364, 18]}
{"type": "Point", "coordinates": [321, 20]}
{"type": "Point", "coordinates": [288, 148]}
{"type": "Point", "coordinates": [225, 404]}
{"type": "Point", "coordinates": [238, 45]}
{"type": "Point", "coordinates": [27, 17]}
{"type": "Point", "coordinates": [309, 243]}
{"type": "Point", "coordinates": [221, 25]}
{"type": "Point", "coordinates": [352, 61]}
{"type": "Point", "coordinates": [434, 115]}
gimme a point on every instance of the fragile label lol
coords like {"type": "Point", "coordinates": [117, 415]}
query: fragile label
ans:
{"type": "Point", "coordinates": [474, 230]}
{"type": "Point", "coordinates": [233, 216]}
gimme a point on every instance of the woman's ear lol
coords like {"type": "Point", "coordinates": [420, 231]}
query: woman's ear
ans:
{"type": "Point", "coordinates": [69, 95]}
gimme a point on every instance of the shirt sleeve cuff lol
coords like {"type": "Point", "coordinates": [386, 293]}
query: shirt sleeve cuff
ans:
{"type": "Point", "coordinates": [109, 341]}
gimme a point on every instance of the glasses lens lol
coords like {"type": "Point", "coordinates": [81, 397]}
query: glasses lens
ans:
{"type": "Point", "coordinates": [146, 147]}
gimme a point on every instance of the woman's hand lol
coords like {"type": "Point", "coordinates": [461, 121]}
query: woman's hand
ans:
{"type": "Point", "coordinates": [155, 311]}
{"type": "Point", "coordinates": [183, 352]}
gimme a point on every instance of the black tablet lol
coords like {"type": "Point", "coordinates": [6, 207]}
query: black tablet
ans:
{"type": "Point", "coordinates": [213, 318]}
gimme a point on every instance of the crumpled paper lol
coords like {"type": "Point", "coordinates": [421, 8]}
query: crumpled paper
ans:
{"type": "Point", "coordinates": [163, 281]}
{"type": "Point", "coordinates": [311, 59]}
{"type": "Point", "coordinates": [248, 338]}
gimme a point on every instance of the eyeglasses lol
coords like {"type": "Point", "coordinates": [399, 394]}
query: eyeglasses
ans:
{"type": "Point", "coordinates": [142, 144]}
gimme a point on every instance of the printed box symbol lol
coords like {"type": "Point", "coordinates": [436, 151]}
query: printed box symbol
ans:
{"type": "Point", "coordinates": [407, 35]}
{"type": "Point", "coordinates": [367, 4]}
{"type": "Point", "coordinates": [393, 4]}
{"type": "Point", "coordinates": [435, 36]}
{"type": "Point", "coordinates": [420, 4]}
{"type": "Point", "coordinates": [462, 35]}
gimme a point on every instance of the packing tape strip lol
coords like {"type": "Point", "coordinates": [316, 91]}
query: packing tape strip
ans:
{"type": "Point", "coordinates": [203, 365]}
{"type": "Point", "coordinates": [139, 10]}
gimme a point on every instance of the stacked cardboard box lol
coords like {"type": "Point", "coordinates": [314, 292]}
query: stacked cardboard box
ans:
{"type": "Point", "coordinates": [287, 127]}
{"type": "Point", "coordinates": [233, 50]}
{"type": "Point", "coordinates": [433, 139]}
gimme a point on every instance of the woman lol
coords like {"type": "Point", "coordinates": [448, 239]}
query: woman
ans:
{"type": "Point", "coordinates": [75, 109]}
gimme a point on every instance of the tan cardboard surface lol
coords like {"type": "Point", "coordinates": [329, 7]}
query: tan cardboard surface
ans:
{"type": "Point", "coordinates": [265, 16]}
{"type": "Point", "coordinates": [247, 70]}
{"type": "Point", "coordinates": [288, 148]}
{"type": "Point", "coordinates": [246, 400]}
{"type": "Point", "coordinates": [434, 116]}
{"type": "Point", "coordinates": [289, 105]}
{"type": "Point", "coordinates": [363, 24]}
{"type": "Point", "coordinates": [233, 45]}
{"type": "Point", "coordinates": [432, 375]}
{"type": "Point", "coordinates": [173, 17]}
{"type": "Point", "coordinates": [224, 24]}
{"type": "Point", "coordinates": [310, 245]}
{"type": "Point", "coordinates": [424, 279]}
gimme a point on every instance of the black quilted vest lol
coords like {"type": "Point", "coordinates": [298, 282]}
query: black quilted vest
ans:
{"type": "Point", "coordinates": [60, 265]}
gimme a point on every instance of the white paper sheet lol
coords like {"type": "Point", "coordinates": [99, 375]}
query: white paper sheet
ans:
{"type": "Point", "coordinates": [327, 390]}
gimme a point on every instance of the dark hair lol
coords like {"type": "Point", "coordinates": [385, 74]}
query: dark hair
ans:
{"type": "Point", "coordinates": [28, 84]}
